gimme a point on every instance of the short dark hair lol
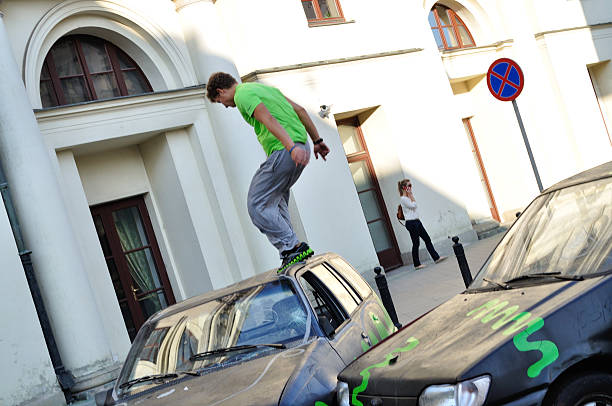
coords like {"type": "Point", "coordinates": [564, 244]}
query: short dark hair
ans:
{"type": "Point", "coordinates": [218, 80]}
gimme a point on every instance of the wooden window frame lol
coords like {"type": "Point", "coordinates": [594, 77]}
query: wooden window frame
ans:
{"type": "Point", "coordinates": [364, 155]}
{"type": "Point", "coordinates": [320, 20]}
{"type": "Point", "coordinates": [111, 51]}
{"type": "Point", "coordinates": [456, 22]}
{"type": "Point", "coordinates": [494, 211]}
{"type": "Point", "coordinates": [105, 211]}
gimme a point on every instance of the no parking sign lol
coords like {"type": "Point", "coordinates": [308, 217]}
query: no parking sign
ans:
{"type": "Point", "coordinates": [505, 81]}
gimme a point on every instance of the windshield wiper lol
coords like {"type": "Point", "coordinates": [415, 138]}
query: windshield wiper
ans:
{"type": "Point", "coordinates": [158, 377]}
{"type": "Point", "coordinates": [502, 285]}
{"type": "Point", "coordinates": [147, 378]}
{"type": "Point", "coordinates": [544, 275]}
{"type": "Point", "coordinates": [232, 349]}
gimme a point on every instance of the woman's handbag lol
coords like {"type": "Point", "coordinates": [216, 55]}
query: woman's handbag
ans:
{"type": "Point", "coordinates": [400, 213]}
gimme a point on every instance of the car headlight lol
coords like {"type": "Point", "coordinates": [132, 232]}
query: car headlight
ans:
{"type": "Point", "coordinates": [342, 394]}
{"type": "Point", "coordinates": [472, 392]}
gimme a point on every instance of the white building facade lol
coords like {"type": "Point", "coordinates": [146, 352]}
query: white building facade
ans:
{"type": "Point", "coordinates": [130, 187]}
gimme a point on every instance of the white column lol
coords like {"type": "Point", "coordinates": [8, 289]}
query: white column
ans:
{"type": "Point", "coordinates": [59, 266]}
{"type": "Point", "coordinates": [241, 153]}
{"type": "Point", "coordinates": [22, 345]}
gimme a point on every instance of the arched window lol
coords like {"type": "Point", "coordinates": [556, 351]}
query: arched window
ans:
{"type": "Point", "coordinates": [322, 11]}
{"type": "Point", "coordinates": [82, 68]}
{"type": "Point", "coordinates": [448, 29]}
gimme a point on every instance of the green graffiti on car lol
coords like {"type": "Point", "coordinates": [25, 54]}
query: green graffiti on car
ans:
{"type": "Point", "coordinates": [365, 374]}
{"type": "Point", "coordinates": [549, 350]}
{"type": "Point", "coordinates": [388, 322]}
{"type": "Point", "coordinates": [383, 331]}
{"type": "Point", "coordinates": [495, 308]}
{"type": "Point", "coordinates": [385, 328]}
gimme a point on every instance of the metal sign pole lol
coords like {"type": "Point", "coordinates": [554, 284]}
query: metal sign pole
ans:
{"type": "Point", "coordinates": [533, 164]}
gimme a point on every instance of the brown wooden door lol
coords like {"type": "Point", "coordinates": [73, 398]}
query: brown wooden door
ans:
{"type": "Point", "coordinates": [370, 196]}
{"type": "Point", "coordinates": [481, 169]}
{"type": "Point", "coordinates": [133, 260]}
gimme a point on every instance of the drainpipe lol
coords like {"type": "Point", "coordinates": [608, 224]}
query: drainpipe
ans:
{"type": "Point", "coordinates": [64, 376]}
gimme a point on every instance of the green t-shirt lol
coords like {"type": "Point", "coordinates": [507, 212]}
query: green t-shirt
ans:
{"type": "Point", "coordinates": [249, 95]}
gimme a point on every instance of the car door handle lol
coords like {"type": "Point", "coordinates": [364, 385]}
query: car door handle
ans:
{"type": "Point", "coordinates": [366, 338]}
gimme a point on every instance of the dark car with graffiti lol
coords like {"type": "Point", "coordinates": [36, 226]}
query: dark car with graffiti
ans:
{"type": "Point", "coordinates": [273, 339]}
{"type": "Point", "coordinates": [534, 327]}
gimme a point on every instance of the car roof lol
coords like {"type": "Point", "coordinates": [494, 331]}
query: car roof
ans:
{"type": "Point", "coordinates": [259, 279]}
{"type": "Point", "coordinates": [599, 172]}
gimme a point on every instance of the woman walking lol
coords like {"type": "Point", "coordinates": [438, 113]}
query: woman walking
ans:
{"type": "Point", "coordinates": [414, 225]}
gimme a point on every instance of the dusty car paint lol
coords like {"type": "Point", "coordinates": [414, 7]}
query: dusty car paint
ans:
{"type": "Point", "coordinates": [526, 338]}
{"type": "Point", "coordinates": [472, 332]}
{"type": "Point", "coordinates": [495, 308]}
{"type": "Point", "coordinates": [304, 374]}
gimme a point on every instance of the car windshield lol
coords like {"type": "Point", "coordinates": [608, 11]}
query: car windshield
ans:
{"type": "Point", "coordinates": [187, 341]}
{"type": "Point", "coordinates": [566, 233]}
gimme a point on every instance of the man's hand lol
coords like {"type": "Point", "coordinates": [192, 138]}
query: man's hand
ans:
{"type": "Point", "coordinates": [321, 149]}
{"type": "Point", "coordinates": [300, 156]}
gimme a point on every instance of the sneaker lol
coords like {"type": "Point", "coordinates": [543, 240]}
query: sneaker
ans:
{"type": "Point", "coordinates": [437, 261]}
{"type": "Point", "coordinates": [298, 254]}
{"type": "Point", "coordinates": [420, 266]}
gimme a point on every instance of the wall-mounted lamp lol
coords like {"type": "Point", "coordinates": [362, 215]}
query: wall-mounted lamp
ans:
{"type": "Point", "coordinates": [325, 110]}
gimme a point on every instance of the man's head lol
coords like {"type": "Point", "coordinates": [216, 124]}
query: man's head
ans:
{"type": "Point", "coordinates": [220, 88]}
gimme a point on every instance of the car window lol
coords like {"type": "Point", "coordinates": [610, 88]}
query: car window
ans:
{"type": "Point", "coordinates": [340, 291]}
{"type": "Point", "coordinates": [320, 300]}
{"type": "Point", "coordinates": [344, 283]}
{"type": "Point", "coordinates": [568, 232]}
{"type": "Point", "coordinates": [271, 313]}
{"type": "Point", "coordinates": [352, 276]}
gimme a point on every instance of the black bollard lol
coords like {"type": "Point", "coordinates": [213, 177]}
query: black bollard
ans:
{"type": "Point", "coordinates": [463, 265]}
{"type": "Point", "coordinates": [385, 296]}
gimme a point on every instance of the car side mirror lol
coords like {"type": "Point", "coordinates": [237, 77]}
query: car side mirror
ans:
{"type": "Point", "coordinates": [326, 326]}
{"type": "Point", "coordinates": [104, 398]}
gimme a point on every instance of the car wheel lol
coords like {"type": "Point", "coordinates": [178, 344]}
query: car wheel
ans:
{"type": "Point", "coordinates": [591, 389]}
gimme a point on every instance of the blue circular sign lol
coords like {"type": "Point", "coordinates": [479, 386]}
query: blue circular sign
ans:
{"type": "Point", "coordinates": [505, 79]}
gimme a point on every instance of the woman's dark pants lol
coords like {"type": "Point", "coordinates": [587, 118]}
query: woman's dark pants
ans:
{"type": "Point", "coordinates": [416, 230]}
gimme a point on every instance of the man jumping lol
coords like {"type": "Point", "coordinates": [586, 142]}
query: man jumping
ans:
{"type": "Point", "coordinates": [281, 126]}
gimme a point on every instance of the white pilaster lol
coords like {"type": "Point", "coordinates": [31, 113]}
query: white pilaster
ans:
{"type": "Point", "coordinates": [59, 265]}
{"type": "Point", "coordinates": [97, 270]}
{"type": "Point", "coordinates": [241, 153]}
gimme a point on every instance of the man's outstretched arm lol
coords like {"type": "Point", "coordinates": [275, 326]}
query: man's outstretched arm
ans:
{"type": "Point", "coordinates": [319, 148]}
{"type": "Point", "coordinates": [262, 114]}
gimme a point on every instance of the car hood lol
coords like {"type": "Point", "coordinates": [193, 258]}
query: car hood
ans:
{"type": "Point", "coordinates": [259, 381]}
{"type": "Point", "coordinates": [463, 338]}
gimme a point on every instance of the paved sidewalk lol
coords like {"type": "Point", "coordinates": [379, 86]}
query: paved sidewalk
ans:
{"type": "Point", "coordinates": [415, 292]}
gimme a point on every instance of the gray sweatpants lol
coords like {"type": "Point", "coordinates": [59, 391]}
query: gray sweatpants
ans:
{"type": "Point", "coordinates": [268, 198]}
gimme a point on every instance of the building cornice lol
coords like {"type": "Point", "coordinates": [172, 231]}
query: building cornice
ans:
{"type": "Point", "coordinates": [252, 75]}
{"type": "Point", "coordinates": [496, 46]}
{"type": "Point", "coordinates": [87, 128]}
{"type": "Point", "coordinates": [121, 102]}
{"type": "Point", "coordinates": [582, 27]}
